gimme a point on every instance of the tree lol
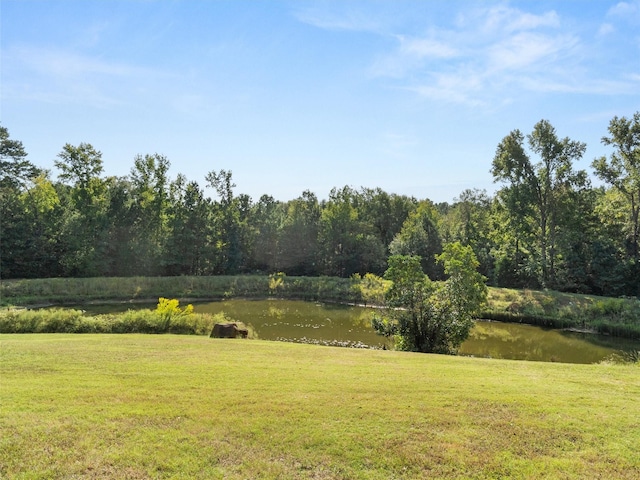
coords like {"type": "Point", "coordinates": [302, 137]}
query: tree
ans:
{"type": "Point", "coordinates": [150, 191]}
{"type": "Point", "coordinates": [298, 247]}
{"type": "Point", "coordinates": [266, 221]}
{"type": "Point", "coordinates": [385, 213]}
{"type": "Point", "coordinates": [419, 237]}
{"type": "Point", "coordinates": [18, 222]}
{"type": "Point", "coordinates": [348, 244]}
{"type": "Point", "coordinates": [230, 217]}
{"type": "Point", "coordinates": [535, 192]}
{"type": "Point", "coordinates": [15, 169]}
{"type": "Point", "coordinates": [85, 199]}
{"type": "Point", "coordinates": [468, 221]}
{"type": "Point", "coordinates": [188, 236]}
{"type": "Point", "coordinates": [622, 172]}
{"type": "Point", "coordinates": [432, 317]}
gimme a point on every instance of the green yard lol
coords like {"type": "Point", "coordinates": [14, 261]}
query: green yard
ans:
{"type": "Point", "coordinates": [166, 406]}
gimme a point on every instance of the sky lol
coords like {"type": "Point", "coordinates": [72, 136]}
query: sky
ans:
{"type": "Point", "coordinates": [409, 96]}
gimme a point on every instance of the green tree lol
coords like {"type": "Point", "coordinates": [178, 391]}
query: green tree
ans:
{"type": "Point", "coordinates": [150, 192]}
{"type": "Point", "coordinates": [384, 212]}
{"type": "Point", "coordinates": [298, 245]}
{"type": "Point", "coordinates": [120, 254]}
{"type": "Point", "coordinates": [189, 230]}
{"type": "Point", "coordinates": [21, 227]}
{"type": "Point", "coordinates": [231, 230]}
{"type": "Point", "coordinates": [348, 244]}
{"type": "Point", "coordinates": [419, 236]}
{"type": "Point", "coordinates": [622, 172]}
{"type": "Point", "coordinates": [85, 202]}
{"type": "Point", "coordinates": [535, 193]}
{"type": "Point", "coordinates": [468, 221]}
{"type": "Point", "coordinates": [15, 169]}
{"type": "Point", "coordinates": [267, 216]}
{"type": "Point", "coordinates": [432, 317]}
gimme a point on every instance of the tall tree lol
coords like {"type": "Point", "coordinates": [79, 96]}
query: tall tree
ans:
{"type": "Point", "coordinates": [86, 225]}
{"type": "Point", "coordinates": [267, 217]}
{"type": "Point", "coordinates": [15, 169]}
{"type": "Point", "coordinates": [298, 244]}
{"type": "Point", "coordinates": [348, 243]}
{"type": "Point", "coordinates": [622, 172]}
{"type": "Point", "coordinates": [189, 229]}
{"type": "Point", "coordinates": [150, 191]}
{"type": "Point", "coordinates": [228, 218]}
{"type": "Point", "coordinates": [535, 191]}
{"type": "Point", "coordinates": [385, 212]}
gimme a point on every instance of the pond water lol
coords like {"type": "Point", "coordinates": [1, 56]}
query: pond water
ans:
{"type": "Point", "coordinates": [341, 325]}
{"type": "Point", "coordinates": [327, 324]}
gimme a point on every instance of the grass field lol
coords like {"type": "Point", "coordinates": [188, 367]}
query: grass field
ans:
{"type": "Point", "coordinates": [167, 406]}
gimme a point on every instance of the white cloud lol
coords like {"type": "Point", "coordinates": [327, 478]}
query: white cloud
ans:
{"type": "Point", "coordinates": [605, 29]}
{"type": "Point", "coordinates": [426, 47]}
{"type": "Point", "coordinates": [58, 76]}
{"type": "Point", "coordinates": [490, 56]}
{"type": "Point", "coordinates": [529, 50]}
{"type": "Point", "coordinates": [453, 87]}
{"type": "Point", "coordinates": [60, 63]}
{"type": "Point", "coordinates": [412, 53]}
{"type": "Point", "coordinates": [506, 20]}
{"type": "Point", "coordinates": [351, 20]}
{"type": "Point", "coordinates": [625, 9]}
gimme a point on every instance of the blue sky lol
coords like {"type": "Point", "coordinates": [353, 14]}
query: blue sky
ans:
{"type": "Point", "coordinates": [409, 96]}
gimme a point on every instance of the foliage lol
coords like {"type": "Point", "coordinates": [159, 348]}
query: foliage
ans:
{"type": "Point", "coordinates": [371, 288]}
{"type": "Point", "coordinates": [167, 318]}
{"type": "Point", "coordinates": [420, 237]}
{"type": "Point", "coordinates": [546, 227]}
{"type": "Point", "coordinates": [432, 317]}
{"type": "Point", "coordinates": [276, 282]}
{"type": "Point", "coordinates": [536, 194]}
{"type": "Point", "coordinates": [622, 172]}
{"type": "Point", "coordinates": [169, 310]}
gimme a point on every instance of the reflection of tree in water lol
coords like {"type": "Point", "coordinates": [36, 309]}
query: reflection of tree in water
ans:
{"type": "Point", "coordinates": [362, 318]}
{"type": "Point", "coordinates": [275, 312]}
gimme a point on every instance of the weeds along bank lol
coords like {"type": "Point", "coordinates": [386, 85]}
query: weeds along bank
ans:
{"type": "Point", "coordinates": [78, 290]}
{"type": "Point", "coordinates": [614, 316]}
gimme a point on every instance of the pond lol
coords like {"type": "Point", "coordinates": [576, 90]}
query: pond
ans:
{"type": "Point", "coordinates": [327, 324]}
{"type": "Point", "coordinates": [349, 326]}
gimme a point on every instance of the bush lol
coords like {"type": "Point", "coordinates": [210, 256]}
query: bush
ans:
{"type": "Point", "coordinates": [180, 321]}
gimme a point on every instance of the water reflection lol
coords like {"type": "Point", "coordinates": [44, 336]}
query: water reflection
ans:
{"type": "Point", "coordinates": [328, 324]}
{"type": "Point", "coordinates": [525, 342]}
{"type": "Point", "coordinates": [351, 326]}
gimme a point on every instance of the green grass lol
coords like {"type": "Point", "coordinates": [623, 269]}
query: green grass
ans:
{"type": "Point", "coordinates": [167, 406]}
{"type": "Point", "coordinates": [612, 316]}
{"type": "Point", "coordinates": [78, 290]}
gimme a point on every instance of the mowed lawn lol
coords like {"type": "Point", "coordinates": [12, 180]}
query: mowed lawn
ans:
{"type": "Point", "coordinates": [166, 406]}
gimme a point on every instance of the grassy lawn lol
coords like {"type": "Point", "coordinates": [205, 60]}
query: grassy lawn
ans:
{"type": "Point", "coordinates": [167, 406]}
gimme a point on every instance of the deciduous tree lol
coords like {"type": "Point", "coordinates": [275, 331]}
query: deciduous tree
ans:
{"type": "Point", "coordinates": [622, 172]}
{"type": "Point", "coordinates": [535, 192]}
{"type": "Point", "coordinates": [427, 316]}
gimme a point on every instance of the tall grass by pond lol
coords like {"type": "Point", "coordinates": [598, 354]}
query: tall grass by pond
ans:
{"type": "Point", "coordinates": [78, 290]}
{"type": "Point", "coordinates": [167, 317]}
{"type": "Point", "coordinates": [61, 320]}
{"type": "Point", "coordinates": [613, 316]}
{"type": "Point", "coordinates": [178, 407]}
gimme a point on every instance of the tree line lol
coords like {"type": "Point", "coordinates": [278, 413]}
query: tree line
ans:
{"type": "Point", "coordinates": [546, 226]}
